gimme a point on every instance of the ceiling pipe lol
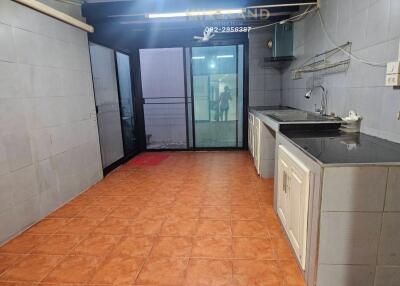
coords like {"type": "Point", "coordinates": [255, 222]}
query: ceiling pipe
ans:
{"type": "Point", "coordinates": [45, 9]}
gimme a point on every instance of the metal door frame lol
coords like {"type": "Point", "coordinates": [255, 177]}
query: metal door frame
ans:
{"type": "Point", "coordinates": [126, 156]}
{"type": "Point", "coordinates": [139, 93]}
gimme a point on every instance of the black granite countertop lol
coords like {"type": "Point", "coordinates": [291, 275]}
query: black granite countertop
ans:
{"type": "Point", "coordinates": [273, 107]}
{"type": "Point", "coordinates": [336, 147]}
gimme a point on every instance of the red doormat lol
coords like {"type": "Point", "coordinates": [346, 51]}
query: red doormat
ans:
{"type": "Point", "coordinates": [146, 160]}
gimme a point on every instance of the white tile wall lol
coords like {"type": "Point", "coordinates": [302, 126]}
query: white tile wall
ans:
{"type": "Point", "coordinates": [389, 246]}
{"type": "Point", "coordinates": [349, 238]}
{"type": "Point", "coordinates": [264, 83]}
{"type": "Point", "coordinates": [49, 149]}
{"type": "Point", "coordinates": [373, 27]}
{"type": "Point", "coordinates": [7, 51]}
{"type": "Point", "coordinates": [354, 189]}
{"type": "Point", "coordinates": [387, 276]}
{"type": "Point", "coordinates": [346, 275]}
{"type": "Point", "coordinates": [392, 202]}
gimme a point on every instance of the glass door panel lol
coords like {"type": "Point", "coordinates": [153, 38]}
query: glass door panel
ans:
{"type": "Point", "coordinates": [217, 96]}
{"type": "Point", "coordinates": [164, 97]}
{"type": "Point", "coordinates": [107, 104]}
{"type": "Point", "coordinates": [126, 102]}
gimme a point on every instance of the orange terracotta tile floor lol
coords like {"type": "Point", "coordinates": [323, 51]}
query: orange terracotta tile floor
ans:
{"type": "Point", "coordinates": [196, 219]}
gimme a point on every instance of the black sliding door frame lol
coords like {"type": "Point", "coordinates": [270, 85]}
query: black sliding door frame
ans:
{"type": "Point", "coordinates": [187, 50]}
{"type": "Point", "coordinates": [120, 100]}
{"type": "Point", "coordinates": [143, 101]}
{"type": "Point", "coordinates": [127, 156]}
{"type": "Point", "coordinates": [245, 93]}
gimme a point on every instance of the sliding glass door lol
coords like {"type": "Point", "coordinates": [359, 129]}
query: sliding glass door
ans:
{"type": "Point", "coordinates": [217, 93]}
{"type": "Point", "coordinates": [193, 97]}
{"type": "Point", "coordinates": [164, 98]}
{"type": "Point", "coordinates": [114, 105]}
{"type": "Point", "coordinates": [107, 104]}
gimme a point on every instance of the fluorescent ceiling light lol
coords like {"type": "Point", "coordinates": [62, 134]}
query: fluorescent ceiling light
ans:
{"type": "Point", "coordinates": [198, 58]}
{"type": "Point", "coordinates": [195, 13]}
{"type": "Point", "coordinates": [224, 56]}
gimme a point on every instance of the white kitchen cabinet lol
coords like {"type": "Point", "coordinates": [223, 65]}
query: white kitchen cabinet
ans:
{"type": "Point", "coordinates": [256, 144]}
{"type": "Point", "coordinates": [250, 134]}
{"type": "Point", "coordinates": [262, 144]}
{"type": "Point", "coordinates": [292, 204]}
{"type": "Point", "coordinates": [283, 193]}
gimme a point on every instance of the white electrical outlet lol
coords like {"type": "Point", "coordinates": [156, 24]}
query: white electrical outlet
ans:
{"type": "Point", "coordinates": [393, 80]}
{"type": "Point", "coordinates": [393, 73]}
{"type": "Point", "coordinates": [393, 68]}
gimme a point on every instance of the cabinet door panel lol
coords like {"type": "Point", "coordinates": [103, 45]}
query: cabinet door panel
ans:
{"type": "Point", "coordinates": [293, 201]}
{"type": "Point", "coordinates": [299, 191]}
{"type": "Point", "coordinates": [296, 213]}
{"type": "Point", "coordinates": [250, 139]}
{"type": "Point", "coordinates": [283, 204]}
{"type": "Point", "coordinates": [256, 144]}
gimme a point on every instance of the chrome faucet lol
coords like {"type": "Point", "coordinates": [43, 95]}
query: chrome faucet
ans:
{"type": "Point", "coordinates": [324, 100]}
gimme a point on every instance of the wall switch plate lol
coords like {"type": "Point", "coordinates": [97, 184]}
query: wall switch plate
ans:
{"type": "Point", "coordinates": [393, 68]}
{"type": "Point", "coordinates": [393, 80]}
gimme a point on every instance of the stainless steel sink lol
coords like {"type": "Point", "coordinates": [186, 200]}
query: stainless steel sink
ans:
{"type": "Point", "coordinates": [299, 116]}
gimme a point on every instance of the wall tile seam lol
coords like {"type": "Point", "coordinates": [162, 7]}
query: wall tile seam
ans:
{"type": "Point", "coordinates": [72, 42]}
{"type": "Point", "coordinates": [44, 216]}
{"type": "Point", "coordinates": [27, 199]}
{"type": "Point", "coordinates": [295, 88]}
{"type": "Point", "coordinates": [347, 87]}
{"type": "Point", "coordinates": [378, 248]}
{"type": "Point", "coordinates": [76, 43]}
{"type": "Point", "coordinates": [47, 66]}
{"type": "Point", "coordinates": [374, 44]}
{"type": "Point", "coordinates": [10, 172]}
{"type": "Point", "coordinates": [35, 163]}
{"type": "Point", "coordinates": [363, 49]}
{"type": "Point", "coordinates": [256, 89]}
{"type": "Point", "coordinates": [72, 96]}
{"type": "Point", "coordinates": [69, 149]}
{"type": "Point", "coordinates": [386, 187]}
{"type": "Point", "coordinates": [388, 265]}
{"type": "Point", "coordinates": [64, 124]}
{"type": "Point", "coordinates": [83, 48]}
